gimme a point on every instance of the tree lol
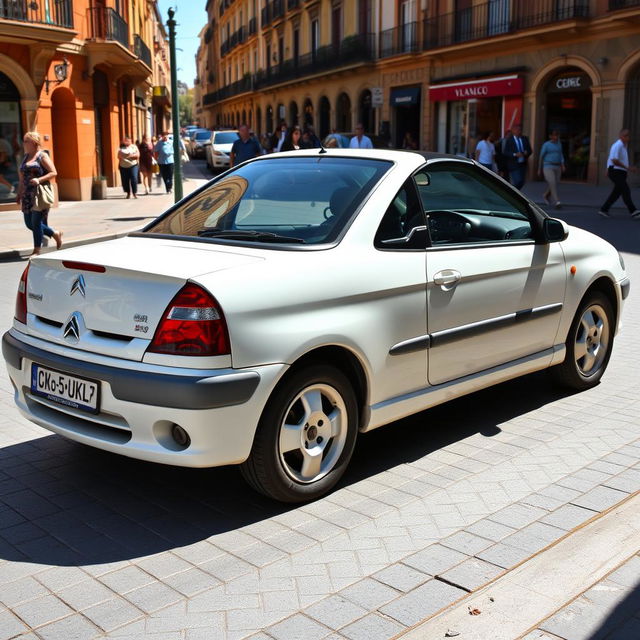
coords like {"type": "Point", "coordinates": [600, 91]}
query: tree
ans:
{"type": "Point", "coordinates": [185, 105]}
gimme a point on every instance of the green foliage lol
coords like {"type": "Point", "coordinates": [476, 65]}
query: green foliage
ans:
{"type": "Point", "coordinates": [185, 103]}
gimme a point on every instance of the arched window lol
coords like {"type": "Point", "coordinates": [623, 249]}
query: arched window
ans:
{"type": "Point", "coordinates": [269, 122]}
{"type": "Point", "coordinates": [324, 117]}
{"type": "Point", "coordinates": [343, 113]}
{"type": "Point", "coordinates": [365, 111]}
{"type": "Point", "coordinates": [293, 113]}
{"type": "Point", "coordinates": [308, 112]}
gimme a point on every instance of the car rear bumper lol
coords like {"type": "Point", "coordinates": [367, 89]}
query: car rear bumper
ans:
{"type": "Point", "coordinates": [219, 162]}
{"type": "Point", "coordinates": [140, 404]}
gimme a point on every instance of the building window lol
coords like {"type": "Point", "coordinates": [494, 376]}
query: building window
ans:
{"type": "Point", "coordinates": [315, 36]}
{"type": "Point", "coordinates": [336, 27]}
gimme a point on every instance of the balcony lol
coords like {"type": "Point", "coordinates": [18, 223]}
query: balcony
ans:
{"type": "Point", "coordinates": [273, 10]}
{"type": "Point", "coordinates": [253, 27]}
{"type": "Point", "coordinates": [616, 5]}
{"type": "Point", "coordinates": [107, 24]}
{"type": "Point", "coordinates": [141, 50]}
{"type": "Point", "coordinates": [498, 17]}
{"type": "Point", "coordinates": [292, 4]}
{"type": "Point", "coordinates": [400, 40]}
{"type": "Point", "coordinates": [49, 25]}
{"type": "Point", "coordinates": [58, 15]}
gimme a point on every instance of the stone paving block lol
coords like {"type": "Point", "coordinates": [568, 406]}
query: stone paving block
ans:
{"type": "Point", "coordinates": [126, 579]}
{"type": "Point", "coordinates": [599, 498]}
{"type": "Point", "coordinates": [10, 625]}
{"type": "Point", "coordinates": [568, 517]}
{"type": "Point", "coordinates": [42, 610]}
{"type": "Point", "coordinates": [335, 612]}
{"type": "Point", "coordinates": [280, 601]}
{"type": "Point", "coordinates": [112, 613]}
{"type": "Point", "coordinates": [85, 594]}
{"type": "Point", "coordinates": [564, 494]}
{"type": "Point", "coordinates": [422, 602]}
{"type": "Point", "coordinates": [491, 530]}
{"type": "Point", "coordinates": [472, 573]}
{"type": "Point", "coordinates": [162, 565]}
{"type": "Point", "coordinates": [466, 542]}
{"type": "Point", "coordinates": [435, 559]}
{"type": "Point", "coordinates": [319, 530]}
{"type": "Point", "coordinates": [534, 537]}
{"type": "Point", "coordinates": [290, 541]}
{"type": "Point", "coordinates": [372, 627]}
{"type": "Point", "coordinates": [191, 582]}
{"type": "Point", "coordinates": [73, 627]}
{"type": "Point", "coordinates": [217, 599]}
{"type": "Point", "coordinates": [152, 597]}
{"type": "Point", "coordinates": [226, 567]}
{"type": "Point", "coordinates": [503, 555]}
{"type": "Point", "coordinates": [369, 593]}
{"type": "Point", "coordinates": [60, 577]}
{"type": "Point", "coordinates": [401, 577]}
{"type": "Point", "coordinates": [260, 554]}
{"type": "Point", "coordinates": [199, 552]}
{"type": "Point", "coordinates": [298, 626]}
{"type": "Point", "coordinates": [628, 481]}
{"type": "Point", "coordinates": [542, 501]}
{"type": "Point", "coordinates": [21, 590]}
{"type": "Point", "coordinates": [517, 515]}
{"type": "Point", "coordinates": [538, 634]}
{"type": "Point", "coordinates": [628, 575]}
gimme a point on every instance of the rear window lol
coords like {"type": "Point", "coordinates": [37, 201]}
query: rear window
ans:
{"type": "Point", "coordinates": [295, 200]}
{"type": "Point", "coordinates": [225, 137]}
{"type": "Point", "coordinates": [203, 135]}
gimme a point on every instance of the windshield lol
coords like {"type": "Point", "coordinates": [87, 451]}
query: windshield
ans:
{"type": "Point", "coordinates": [203, 135]}
{"type": "Point", "coordinates": [301, 200]}
{"type": "Point", "coordinates": [225, 137]}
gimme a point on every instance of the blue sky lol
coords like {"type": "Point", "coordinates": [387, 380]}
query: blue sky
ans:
{"type": "Point", "coordinates": [191, 17]}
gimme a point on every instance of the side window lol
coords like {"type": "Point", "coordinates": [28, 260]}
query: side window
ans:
{"type": "Point", "coordinates": [464, 204]}
{"type": "Point", "coordinates": [404, 214]}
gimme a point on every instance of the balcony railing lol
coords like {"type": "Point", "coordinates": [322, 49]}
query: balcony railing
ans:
{"type": "Point", "coordinates": [402, 39]}
{"type": "Point", "coordinates": [272, 10]}
{"type": "Point", "coordinates": [615, 5]}
{"type": "Point", "coordinates": [354, 49]}
{"type": "Point", "coordinates": [293, 4]}
{"type": "Point", "coordinates": [141, 50]}
{"type": "Point", "coordinates": [58, 13]}
{"type": "Point", "coordinates": [107, 24]}
{"type": "Point", "coordinates": [498, 17]}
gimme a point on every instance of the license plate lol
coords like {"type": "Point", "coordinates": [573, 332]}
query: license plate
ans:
{"type": "Point", "coordinates": [62, 388]}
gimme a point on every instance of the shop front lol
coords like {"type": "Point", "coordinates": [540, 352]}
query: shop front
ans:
{"type": "Point", "coordinates": [10, 139]}
{"type": "Point", "coordinates": [568, 111]}
{"type": "Point", "coordinates": [405, 109]}
{"type": "Point", "coordinates": [467, 110]}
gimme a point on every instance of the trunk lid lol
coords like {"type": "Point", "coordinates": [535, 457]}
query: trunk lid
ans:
{"type": "Point", "coordinates": [116, 312]}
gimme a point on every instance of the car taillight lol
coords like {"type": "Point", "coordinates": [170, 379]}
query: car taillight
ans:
{"type": "Point", "coordinates": [21, 298]}
{"type": "Point", "coordinates": [192, 325]}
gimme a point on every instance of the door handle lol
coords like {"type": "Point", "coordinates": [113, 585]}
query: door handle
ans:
{"type": "Point", "coordinates": [447, 279]}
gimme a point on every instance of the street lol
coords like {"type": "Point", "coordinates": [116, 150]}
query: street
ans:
{"type": "Point", "coordinates": [95, 545]}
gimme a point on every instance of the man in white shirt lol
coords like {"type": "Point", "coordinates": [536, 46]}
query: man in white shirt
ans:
{"type": "Point", "coordinates": [617, 168]}
{"type": "Point", "coordinates": [360, 141]}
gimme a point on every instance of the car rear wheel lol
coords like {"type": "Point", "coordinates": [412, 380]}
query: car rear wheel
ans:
{"type": "Point", "coordinates": [305, 437]}
{"type": "Point", "coordinates": [588, 345]}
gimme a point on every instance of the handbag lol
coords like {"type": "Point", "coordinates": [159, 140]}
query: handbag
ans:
{"type": "Point", "coordinates": [44, 197]}
{"type": "Point", "coordinates": [184, 157]}
{"type": "Point", "coordinates": [155, 167]}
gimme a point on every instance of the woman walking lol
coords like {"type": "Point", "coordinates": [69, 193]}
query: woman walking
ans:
{"type": "Point", "coordinates": [292, 139]}
{"type": "Point", "coordinates": [128, 155]}
{"type": "Point", "coordinates": [36, 168]}
{"type": "Point", "coordinates": [145, 150]}
{"type": "Point", "coordinates": [551, 165]}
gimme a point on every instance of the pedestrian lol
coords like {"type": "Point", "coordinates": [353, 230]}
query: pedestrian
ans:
{"type": "Point", "coordinates": [360, 141]}
{"type": "Point", "coordinates": [617, 169]}
{"type": "Point", "coordinates": [163, 152]}
{"type": "Point", "coordinates": [517, 150]}
{"type": "Point", "coordinates": [485, 151]}
{"type": "Point", "coordinates": [551, 166]}
{"type": "Point", "coordinates": [245, 147]}
{"type": "Point", "coordinates": [409, 142]}
{"type": "Point", "coordinates": [36, 168]}
{"type": "Point", "coordinates": [128, 156]}
{"type": "Point", "coordinates": [279, 136]}
{"type": "Point", "coordinates": [146, 163]}
{"type": "Point", "coordinates": [500, 158]}
{"type": "Point", "coordinates": [293, 141]}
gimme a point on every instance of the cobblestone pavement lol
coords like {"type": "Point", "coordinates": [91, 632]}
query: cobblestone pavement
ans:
{"type": "Point", "coordinates": [433, 506]}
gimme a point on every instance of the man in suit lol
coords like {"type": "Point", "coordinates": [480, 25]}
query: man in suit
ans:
{"type": "Point", "coordinates": [516, 150]}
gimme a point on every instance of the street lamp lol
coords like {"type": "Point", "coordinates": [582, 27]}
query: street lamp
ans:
{"type": "Point", "coordinates": [175, 112]}
{"type": "Point", "coordinates": [60, 72]}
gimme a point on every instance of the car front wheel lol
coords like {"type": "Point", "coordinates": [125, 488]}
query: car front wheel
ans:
{"type": "Point", "coordinates": [305, 437]}
{"type": "Point", "coordinates": [588, 345]}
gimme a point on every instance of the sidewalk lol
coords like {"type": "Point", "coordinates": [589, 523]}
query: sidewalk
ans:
{"type": "Point", "coordinates": [88, 221]}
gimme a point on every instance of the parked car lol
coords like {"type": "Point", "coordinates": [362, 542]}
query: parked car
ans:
{"type": "Point", "coordinates": [219, 149]}
{"type": "Point", "coordinates": [299, 299]}
{"type": "Point", "coordinates": [198, 141]}
{"type": "Point", "coordinates": [342, 140]}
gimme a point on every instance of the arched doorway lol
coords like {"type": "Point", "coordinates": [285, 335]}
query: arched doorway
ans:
{"type": "Point", "coordinates": [65, 144]}
{"type": "Point", "coordinates": [293, 113]}
{"type": "Point", "coordinates": [324, 109]}
{"type": "Point", "coordinates": [269, 122]}
{"type": "Point", "coordinates": [308, 113]}
{"type": "Point", "coordinates": [632, 114]}
{"type": "Point", "coordinates": [343, 113]}
{"type": "Point", "coordinates": [244, 117]}
{"type": "Point", "coordinates": [568, 110]}
{"type": "Point", "coordinates": [104, 152]}
{"type": "Point", "coordinates": [365, 111]}
{"type": "Point", "coordinates": [10, 139]}
{"type": "Point", "coordinates": [259, 129]}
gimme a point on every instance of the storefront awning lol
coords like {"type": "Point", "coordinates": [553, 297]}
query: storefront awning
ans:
{"type": "Point", "coordinates": [484, 88]}
{"type": "Point", "coordinates": [405, 96]}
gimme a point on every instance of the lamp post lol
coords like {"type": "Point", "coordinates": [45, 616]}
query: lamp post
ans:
{"type": "Point", "coordinates": [175, 112]}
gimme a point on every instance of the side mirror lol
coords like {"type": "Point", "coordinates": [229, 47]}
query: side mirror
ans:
{"type": "Point", "coordinates": [555, 230]}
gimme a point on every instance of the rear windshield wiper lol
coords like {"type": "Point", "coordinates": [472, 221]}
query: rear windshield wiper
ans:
{"type": "Point", "coordinates": [252, 235]}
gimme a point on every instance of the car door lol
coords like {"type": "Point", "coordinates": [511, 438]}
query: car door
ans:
{"type": "Point", "coordinates": [494, 294]}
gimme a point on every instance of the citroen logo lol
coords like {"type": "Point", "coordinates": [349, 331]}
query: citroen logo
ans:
{"type": "Point", "coordinates": [72, 329]}
{"type": "Point", "coordinates": [79, 286]}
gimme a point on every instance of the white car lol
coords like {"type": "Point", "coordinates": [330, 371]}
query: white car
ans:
{"type": "Point", "coordinates": [219, 149]}
{"type": "Point", "coordinates": [302, 298]}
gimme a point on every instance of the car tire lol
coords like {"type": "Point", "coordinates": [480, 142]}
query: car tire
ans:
{"type": "Point", "coordinates": [305, 437]}
{"type": "Point", "coordinates": [588, 346]}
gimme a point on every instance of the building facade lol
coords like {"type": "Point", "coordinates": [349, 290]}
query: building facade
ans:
{"type": "Point", "coordinates": [81, 74]}
{"type": "Point", "coordinates": [442, 71]}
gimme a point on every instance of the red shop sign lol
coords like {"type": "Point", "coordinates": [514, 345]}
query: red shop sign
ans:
{"type": "Point", "coordinates": [487, 88]}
